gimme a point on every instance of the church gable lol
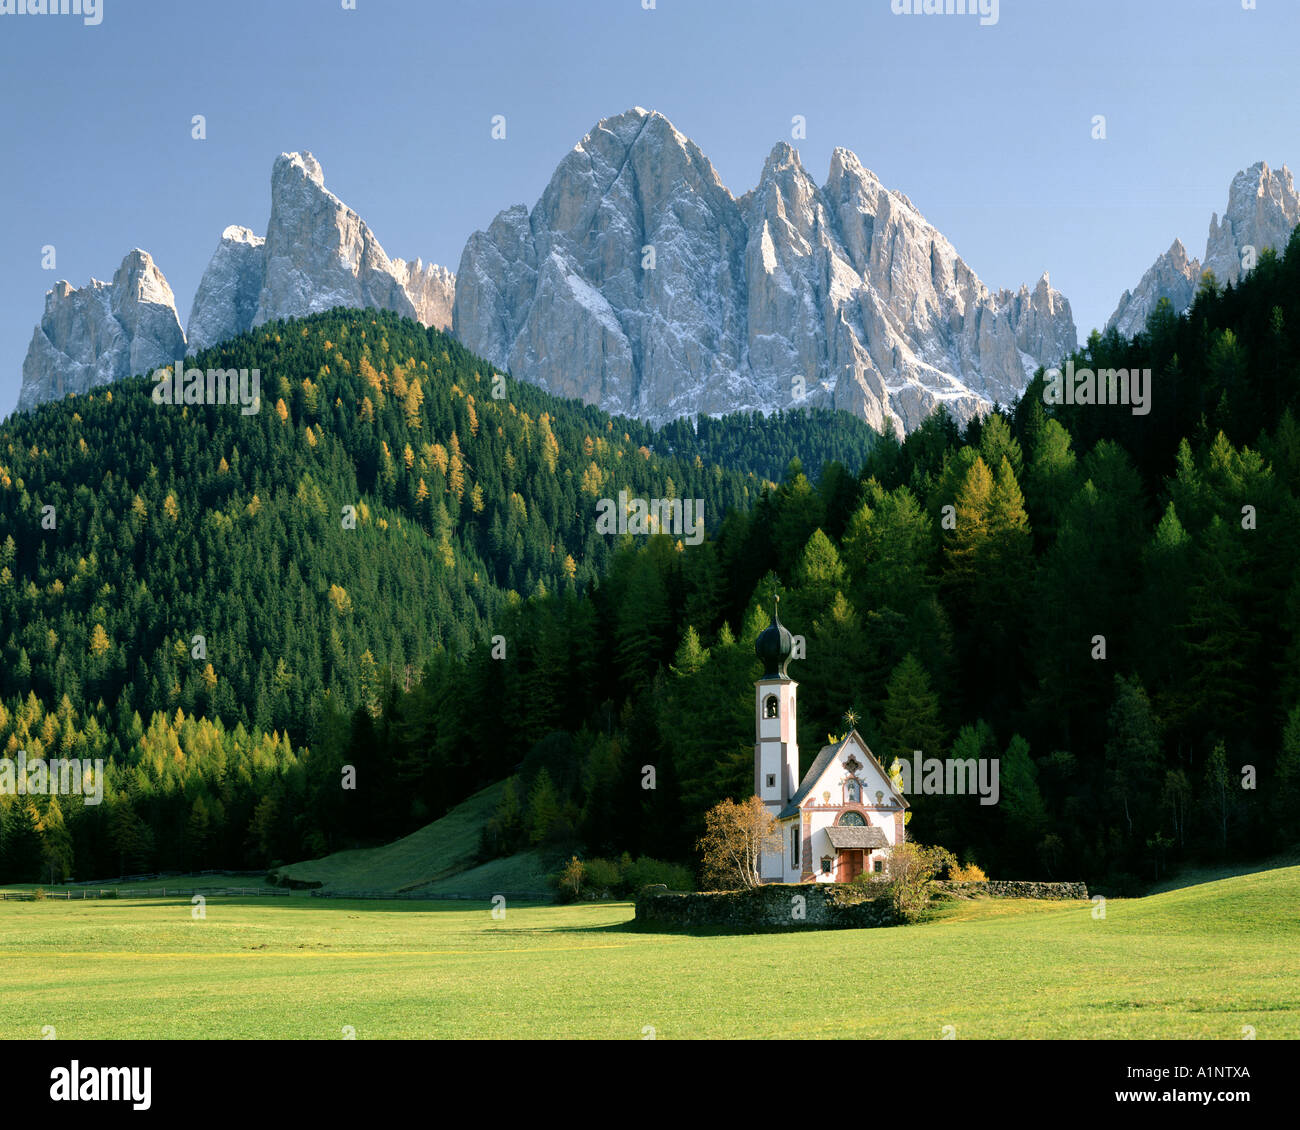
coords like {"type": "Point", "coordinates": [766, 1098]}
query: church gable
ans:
{"type": "Point", "coordinates": [843, 774]}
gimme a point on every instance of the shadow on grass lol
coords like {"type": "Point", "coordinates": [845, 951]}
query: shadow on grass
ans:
{"type": "Point", "coordinates": [1194, 877]}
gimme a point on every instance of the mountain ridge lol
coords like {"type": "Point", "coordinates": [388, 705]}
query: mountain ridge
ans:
{"type": "Point", "coordinates": [825, 272]}
{"type": "Point", "coordinates": [840, 295]}
{"type": "Point", "coordinates": [790, 294]}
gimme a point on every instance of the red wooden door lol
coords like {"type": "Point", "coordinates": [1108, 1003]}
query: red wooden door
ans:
{"type": "Point", "coordinates": [850, 864]}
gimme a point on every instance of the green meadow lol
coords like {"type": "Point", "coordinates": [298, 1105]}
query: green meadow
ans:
{"type": "Point", "coordinates": [1203, 961]}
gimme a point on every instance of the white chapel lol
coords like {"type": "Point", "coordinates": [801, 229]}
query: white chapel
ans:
{"type": "Point", "coordinates": [845, 814]}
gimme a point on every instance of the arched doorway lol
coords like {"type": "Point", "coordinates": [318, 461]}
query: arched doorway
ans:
{"type": "Point", "coordinates": [851, 860]}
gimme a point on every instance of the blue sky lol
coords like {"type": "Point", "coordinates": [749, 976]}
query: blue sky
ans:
{"type": "Point", "coordinates": [986, 129]}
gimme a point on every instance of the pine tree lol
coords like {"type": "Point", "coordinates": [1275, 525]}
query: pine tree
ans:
{"type": "Point", "coordinates": [1222, 644]}
{"type": "Point", "coordinates": [910, 712]}
{"type": "Point", "coordinates": [1021, 803]}
{"type": "Point", "coordinates": [818, 576]}
{"type": "Point", "coordinates": [1216, 799]}
{"type": "Point", "coordinates": [23, 847]}
{"type": "Point", "coordinates": [967, 546]}
{"type": "Point", "coordinates": [1286, 795]}
{"type": "Point", "coordinates": [1132, 754]}
{"type": "Point", "coordinates": [1050, 481]}
{"type": "Point", "coordinates": [543, 810]}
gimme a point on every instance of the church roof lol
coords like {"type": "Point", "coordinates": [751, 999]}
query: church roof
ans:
{"type": "Point", "coordinates": [814, 774]}
{"type": "Point", "coordinates": [867, 837]}
{"type": "Point", "coordinates": [818, 767]}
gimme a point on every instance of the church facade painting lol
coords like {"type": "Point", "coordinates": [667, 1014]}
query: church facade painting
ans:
{"type": "Point", "coordinates": [842, 817]}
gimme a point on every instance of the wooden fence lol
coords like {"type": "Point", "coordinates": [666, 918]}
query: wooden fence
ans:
{"type": "Point", "coordinates": [164, 875]}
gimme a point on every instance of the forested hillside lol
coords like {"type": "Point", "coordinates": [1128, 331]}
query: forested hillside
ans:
{"type": "Point", "coordinates": [1107, 602]}
{"type": "Point", "coordinates": [185, 591]}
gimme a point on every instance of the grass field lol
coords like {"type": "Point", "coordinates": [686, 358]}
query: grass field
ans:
{"type": "Point", "coordinates": [1198, 962]}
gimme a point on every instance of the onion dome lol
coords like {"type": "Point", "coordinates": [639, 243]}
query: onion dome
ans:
{"type": "Point", "coordinates": [774, 647]}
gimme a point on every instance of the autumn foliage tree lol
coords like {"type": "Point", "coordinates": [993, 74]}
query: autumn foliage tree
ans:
{"type": "Point", "coordinates": [911, 870]}
{"type": "Point", "coordinates": [735, 836]}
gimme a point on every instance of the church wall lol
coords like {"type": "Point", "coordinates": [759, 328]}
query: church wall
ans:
{"type": "Point", "coordinates": [820, 844]}
{"type": "Point", "coordinates": [814, 844]}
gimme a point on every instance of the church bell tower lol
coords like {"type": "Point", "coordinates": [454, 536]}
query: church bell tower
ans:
{"type": "Point", "coordinates": [776, 749]}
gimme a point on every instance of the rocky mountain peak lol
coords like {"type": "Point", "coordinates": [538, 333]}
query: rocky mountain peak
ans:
{"type": "Point", "coordinates": [238, 234]}
{"type": "Point", "coordinates": [302, 164]}
{"type": "Point", "coordinates": [783, 156]}
{"type": "Point", "coordinates": [1263, 210]}
{"type": "Point", "coordinates": [639, 281]}
{"type": "Point", "coordinates": [790, 294]}
{"type": "Point", "coordinates": [1173, 275]}
{"type": "Point", "coordinates": [317, 254]}
{"type": "Point", "coordinates": [138, 280]}
{"type": "Point", "coordinates": [226, 300]}
{"type": "Point", "coordinates": [847, 170]}
{"type": "Point", "coordinates": [102, 332]}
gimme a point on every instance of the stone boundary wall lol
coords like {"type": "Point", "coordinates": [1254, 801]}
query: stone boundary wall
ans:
{"type": "Point", "coordinates": [774, 906]}
{"type": "Point", "coordinates": [1016, 889]}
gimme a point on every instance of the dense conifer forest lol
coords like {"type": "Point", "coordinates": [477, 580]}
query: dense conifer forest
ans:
{"type": "Point", "coordinates": [1107, 602]}
{"type": "Point", "coordinates": [175, 579]}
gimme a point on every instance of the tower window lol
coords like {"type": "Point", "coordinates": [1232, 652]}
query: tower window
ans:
{"type": "Point", "coordinates": [770, 707]}
{"type": "Point", "coordinates": [771, 780]}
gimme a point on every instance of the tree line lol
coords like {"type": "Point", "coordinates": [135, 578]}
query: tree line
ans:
{"type": "Point", "coordinates": [1106, 602]}
{"type": "Point", "coordinates": [393, 499]}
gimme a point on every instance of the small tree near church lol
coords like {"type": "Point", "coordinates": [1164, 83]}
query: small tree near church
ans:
{"type": "Point", "coordinates": [735, 837]}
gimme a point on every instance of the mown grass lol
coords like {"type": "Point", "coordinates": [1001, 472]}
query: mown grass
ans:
{"type": "Point", "coordinates": [526, 871]}
{"type": "Point", "coordinates": [1199, 962]}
